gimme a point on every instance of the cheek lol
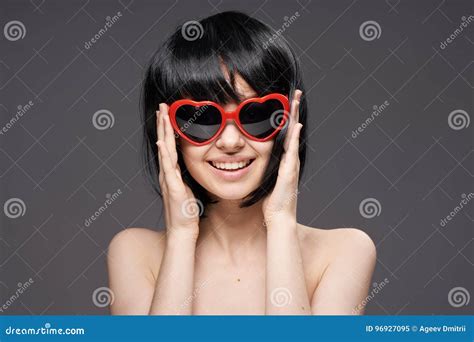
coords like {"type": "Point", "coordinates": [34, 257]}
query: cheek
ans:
{"type": "Point", "coordinates": [190, 159]}
{"type": "Point", "coordinates": [194, 160]}
{"type": "Point", "coordinates": [264, 150]}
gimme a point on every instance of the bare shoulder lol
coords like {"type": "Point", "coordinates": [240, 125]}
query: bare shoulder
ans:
{"type": "Point", "coordinates": [132, 259]}
{"type": "Point", "coordinates": [137, 239]}
{"type": "Point", "coordinates": [341, 262]}
{"type": "Point", "coordinates": [335, 243]}
{"type": "Point", "coordinates": [141, 247]}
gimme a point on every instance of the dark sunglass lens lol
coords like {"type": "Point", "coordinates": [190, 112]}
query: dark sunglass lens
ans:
{"type": "Point", "coordinates": [198, 123]}
{"type": "Point", "coordinates": [262, 119]}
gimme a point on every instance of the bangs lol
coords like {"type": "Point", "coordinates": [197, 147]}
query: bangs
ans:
{"type": "Point", "coordinates": [229, 45]}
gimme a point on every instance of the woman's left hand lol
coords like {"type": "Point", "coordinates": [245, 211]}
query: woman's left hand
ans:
{"type": "Point", "coordinates": [279, 207]}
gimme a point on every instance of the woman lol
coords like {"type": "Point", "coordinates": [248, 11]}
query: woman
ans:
{"type": "Point", "coordinates": [224, 117]}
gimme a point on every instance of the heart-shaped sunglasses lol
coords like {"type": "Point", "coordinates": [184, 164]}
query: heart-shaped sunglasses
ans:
{"type": "Point", "coordinates": [200, 122]}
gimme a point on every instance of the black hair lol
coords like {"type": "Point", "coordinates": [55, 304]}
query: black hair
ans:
{"type": "Point", "coordinates": [189, 65]}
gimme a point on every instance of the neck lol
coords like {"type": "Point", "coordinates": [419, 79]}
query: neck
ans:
{"type": "Point", "coordinates": [232, 227]}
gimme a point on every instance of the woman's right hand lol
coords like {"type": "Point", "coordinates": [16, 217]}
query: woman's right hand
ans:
{"type": "Point", "coordinates": [182, 209]}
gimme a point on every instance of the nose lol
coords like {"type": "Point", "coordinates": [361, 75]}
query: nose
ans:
{"type": "Point", "coordinates": [231, 138]}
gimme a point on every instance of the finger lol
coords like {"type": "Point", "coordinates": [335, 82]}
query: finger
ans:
{"type": "Point", "coordinates": [159, 124]}
{"type": "Point", "coordinates": [161, 173]}
{"type": "Point", "coordinates": [170, 176]}
{"type": "Point", "coordinates": [159, 135]}
{"type": "Point", "coordinates": [292, 155]}
{"type": "Point", "coordinates": [169, 135]}
{"type": "Point", "coordinates": [298, 107]}
{"type": "Point", "coordinates": [293, 117]}
{"type": "Point", "coordinates": [290, 124]}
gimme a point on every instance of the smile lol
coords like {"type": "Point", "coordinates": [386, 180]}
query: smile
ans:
{"type": "Point", "coordinates": [231, 166]}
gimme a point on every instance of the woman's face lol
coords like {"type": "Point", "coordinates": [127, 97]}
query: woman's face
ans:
{"type": "Point", "coordinates": [222, 167]}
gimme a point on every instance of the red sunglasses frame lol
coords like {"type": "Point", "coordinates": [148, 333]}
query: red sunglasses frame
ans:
{"type": "Point", "coordinates": [234, 115]}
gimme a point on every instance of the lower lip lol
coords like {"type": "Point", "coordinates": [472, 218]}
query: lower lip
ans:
{"type": "Point", "coordinates": [231, 175]}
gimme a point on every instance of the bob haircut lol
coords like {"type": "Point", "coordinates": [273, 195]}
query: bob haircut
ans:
{"type": "Point", "coordinates": [192, 68]}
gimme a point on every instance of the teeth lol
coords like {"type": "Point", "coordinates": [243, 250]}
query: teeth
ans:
{"type": "Point", "coordinates": [230, 166]}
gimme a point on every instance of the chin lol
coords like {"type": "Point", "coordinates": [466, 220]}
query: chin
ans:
{"type": "Point", "coordinates": [231, 192]}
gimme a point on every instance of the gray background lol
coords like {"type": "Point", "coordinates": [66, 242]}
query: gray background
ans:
{"type": "Point", "coordinates": [409, 158]}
